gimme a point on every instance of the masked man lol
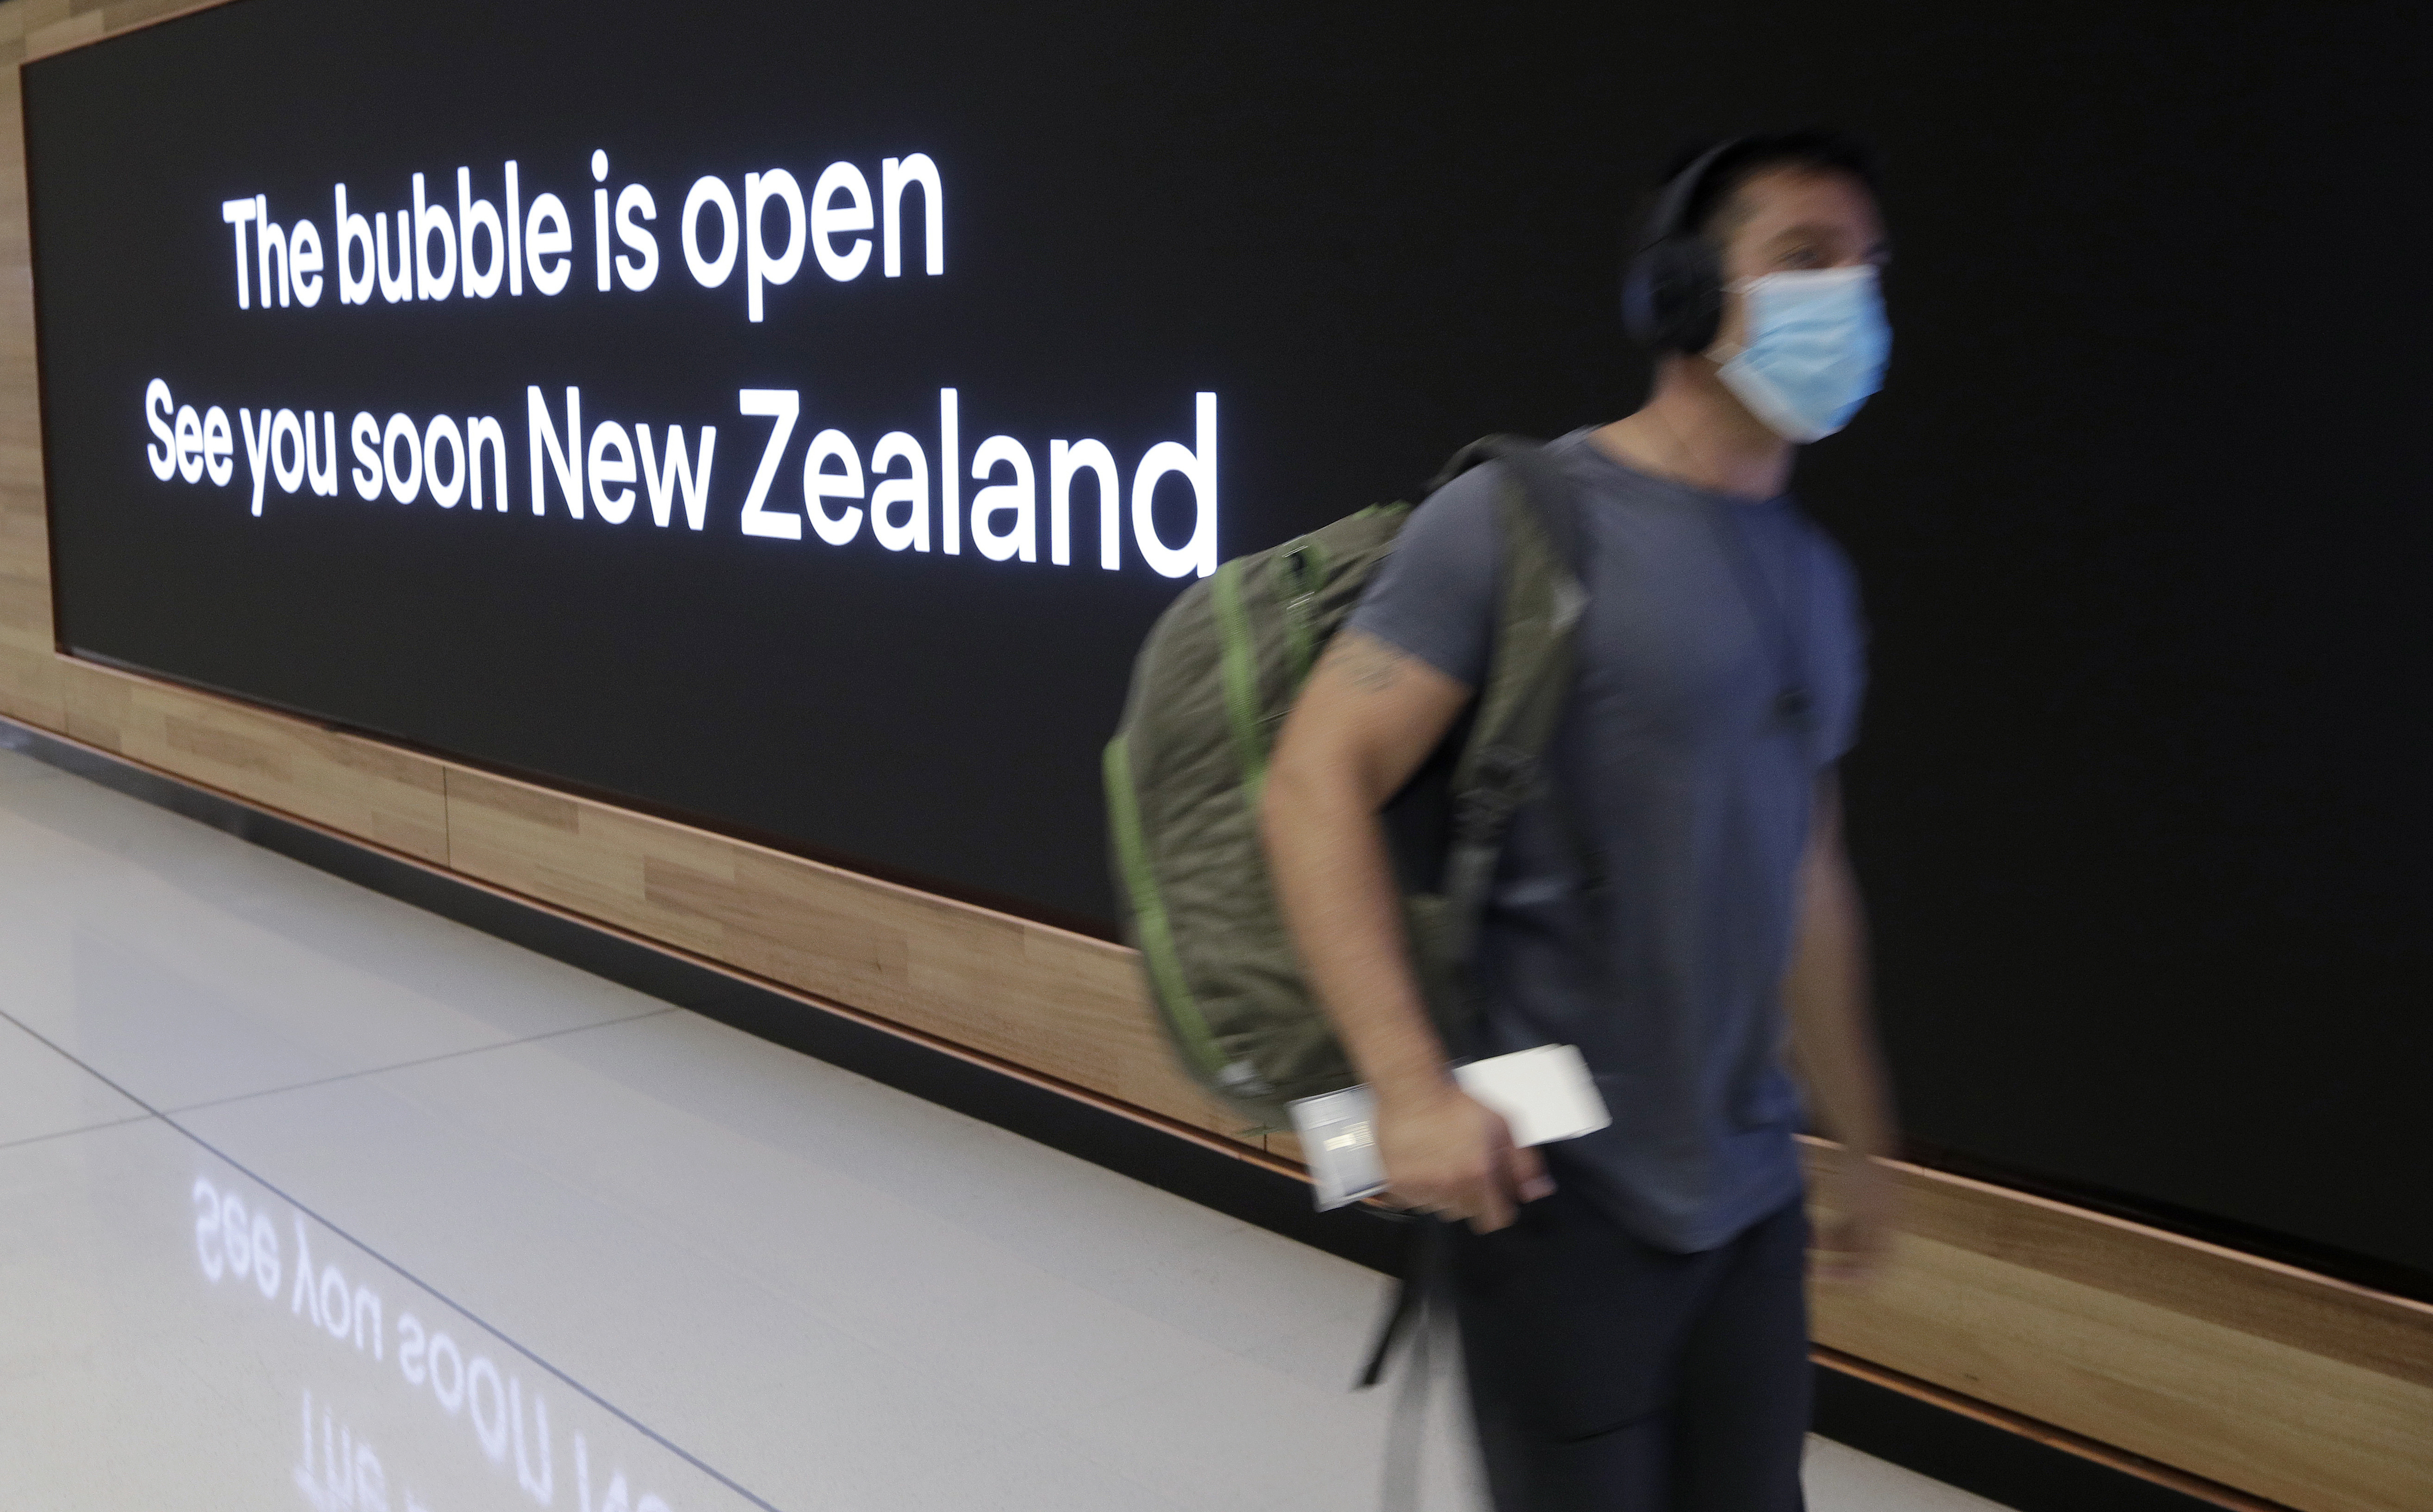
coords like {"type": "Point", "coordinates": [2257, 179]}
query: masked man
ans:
{"type": "Point", "coordinates": [1631, 1305]}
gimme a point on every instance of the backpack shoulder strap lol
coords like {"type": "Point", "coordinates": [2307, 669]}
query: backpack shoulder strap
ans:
{"type": "Point", "coordinates": [1540, 601]}
{"type": "Point", "coordinates": [1545, 492]}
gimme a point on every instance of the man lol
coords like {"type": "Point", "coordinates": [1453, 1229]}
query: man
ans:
{"type": "Point", "coordinates": [1631, 1304]}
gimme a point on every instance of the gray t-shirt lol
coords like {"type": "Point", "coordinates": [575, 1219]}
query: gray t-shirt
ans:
{"type": "Point", "coordinates": [1691, 776]}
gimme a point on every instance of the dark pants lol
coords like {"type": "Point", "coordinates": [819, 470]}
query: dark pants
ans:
{"type": "Point", "coordinates": [1610, 1376]}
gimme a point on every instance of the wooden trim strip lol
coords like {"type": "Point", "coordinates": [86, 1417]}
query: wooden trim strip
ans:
{"type": "Point", "coordinates": [2228, 1368]}
{"type": "Point", "coordinates": [1031, 993]}
{"type": "Point", "coordinates": [2194, 1278]}
{"type": "Point", "coordinates": [2045, 1433]}
{"type": "Point", "coordinates": [380, 792]}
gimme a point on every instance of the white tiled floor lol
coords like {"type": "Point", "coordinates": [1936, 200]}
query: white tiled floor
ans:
{"type": "Point", "coordinates": [313, 1199]}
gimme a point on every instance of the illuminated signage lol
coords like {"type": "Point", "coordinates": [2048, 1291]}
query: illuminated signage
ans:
{"type": "Point", "coordinates": [791, 424]}
{"type": "Point", "coordinates": [603, 467]}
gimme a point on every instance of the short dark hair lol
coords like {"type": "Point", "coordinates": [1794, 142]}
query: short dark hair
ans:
{"type": "Point", "coordinates": [1819, 149]}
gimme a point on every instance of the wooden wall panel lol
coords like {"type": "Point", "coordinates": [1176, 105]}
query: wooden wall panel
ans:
{"type": "Point", "coordinates": [364, 788]}
{"type": "Point", "coordinates": [29, 675]}
{"type": "Point", "coordinates": [2256, 1375]}
{"type": "Point", "coordinates": [2271, 1380]}
{"type": "Point", "coordinates": [1044, 998]}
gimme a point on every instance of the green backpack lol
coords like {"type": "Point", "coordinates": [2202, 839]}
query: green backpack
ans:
{"type": "Point", "coordinates": [1185, 770]}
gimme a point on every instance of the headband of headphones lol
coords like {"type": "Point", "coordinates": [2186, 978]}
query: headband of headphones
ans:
{"type": "Point", "coordinates": [1672, 207]}
{"type": "Point", "coordinates": [1672, 292]}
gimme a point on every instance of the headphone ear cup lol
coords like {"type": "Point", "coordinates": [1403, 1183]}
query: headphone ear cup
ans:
{"type": "Point", "coordinates": [1673, 292]}
{"type": "Point", "coordinates": [1672, 298]}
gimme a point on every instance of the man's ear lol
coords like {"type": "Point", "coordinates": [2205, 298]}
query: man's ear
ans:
{"type": "Point", "coordinates": [1731, 325]}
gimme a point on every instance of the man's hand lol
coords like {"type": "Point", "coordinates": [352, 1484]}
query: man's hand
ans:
{"type": "Point", "coordinates": [1447, 1153]}
{"type": "Point", "coordinates": [1856, 1236]}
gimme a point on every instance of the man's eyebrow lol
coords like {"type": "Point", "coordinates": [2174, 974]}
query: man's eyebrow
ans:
{"type": "Point", "coordinates": [1881, 247]}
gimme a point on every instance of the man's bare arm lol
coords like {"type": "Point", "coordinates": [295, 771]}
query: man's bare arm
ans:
{"type": "Point", "coordinates": [1833, 1040]}
{"type": "Point", "coordinates": [1369, 718]}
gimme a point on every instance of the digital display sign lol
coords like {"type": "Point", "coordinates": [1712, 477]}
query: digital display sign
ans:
{"type": "Point", "coordinates": [403, 460]}
{"type": "Point", "coordinates": [790, 419]}
{"type": "Point", "coordinates": [782, 445]}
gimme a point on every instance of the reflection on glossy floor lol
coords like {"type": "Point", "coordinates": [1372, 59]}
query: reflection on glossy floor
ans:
{"type": "Point", "coordinates": [316, 1200]}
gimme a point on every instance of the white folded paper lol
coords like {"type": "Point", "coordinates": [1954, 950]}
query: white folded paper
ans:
{"type": "Point", "coordinates": [1544, 1094]}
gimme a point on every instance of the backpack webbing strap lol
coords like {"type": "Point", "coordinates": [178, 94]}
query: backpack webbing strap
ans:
{"type": "Point", "coordinates": [1422, 1259]}
{"type": "Point", "coordinates": [1528, 679]}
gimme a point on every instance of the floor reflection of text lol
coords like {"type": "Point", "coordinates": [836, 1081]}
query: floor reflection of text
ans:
{"type": "Point", "coordinates": [240, 1244]}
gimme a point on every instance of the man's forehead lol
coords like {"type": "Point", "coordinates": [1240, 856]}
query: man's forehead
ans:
{"type": "Point", "coordinates": [1777, 200]}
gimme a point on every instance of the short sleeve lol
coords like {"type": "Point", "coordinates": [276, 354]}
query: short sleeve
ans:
{"type": "Point", "coordinates": [1435, 596]}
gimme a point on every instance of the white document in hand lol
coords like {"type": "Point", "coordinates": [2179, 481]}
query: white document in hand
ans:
{"type": "Point", "coordinates": [1543, 1095]}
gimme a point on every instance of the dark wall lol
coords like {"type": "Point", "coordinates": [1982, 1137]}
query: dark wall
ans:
{"type": "Point", "coordinates": [2140, 516]}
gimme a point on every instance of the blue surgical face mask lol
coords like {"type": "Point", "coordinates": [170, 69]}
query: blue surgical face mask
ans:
{"type": "Point", "coordinates": [1816, 349]}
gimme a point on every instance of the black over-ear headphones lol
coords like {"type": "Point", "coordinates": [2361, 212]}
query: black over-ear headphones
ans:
{"type": "Point", "coordinates": [1672, 291]}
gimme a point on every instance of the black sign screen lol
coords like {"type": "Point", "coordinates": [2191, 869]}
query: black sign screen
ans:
{"type": "Point", "coordinates": [790, 417]}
